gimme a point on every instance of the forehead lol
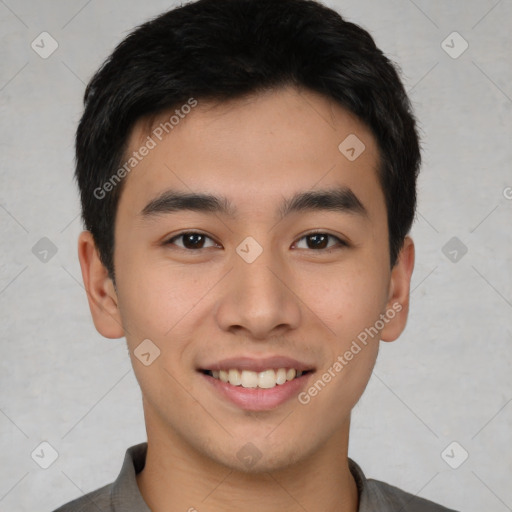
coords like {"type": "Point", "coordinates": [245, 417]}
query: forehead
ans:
{"type": "Point", "coordinates": [255, 150]}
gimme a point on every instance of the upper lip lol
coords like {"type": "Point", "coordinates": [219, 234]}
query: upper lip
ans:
{"type": "Point", "coordinates": [258, 365]}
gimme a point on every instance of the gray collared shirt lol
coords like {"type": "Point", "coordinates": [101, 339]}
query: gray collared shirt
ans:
{"type": "Point", "coordinates": [123, 494]}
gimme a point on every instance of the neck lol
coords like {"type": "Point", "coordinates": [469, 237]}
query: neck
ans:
{"type": "Point", "coordinates": [176, 477]}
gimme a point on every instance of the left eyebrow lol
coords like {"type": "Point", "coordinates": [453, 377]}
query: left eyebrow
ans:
{"type": "Point", "coordinates": [339, 199]}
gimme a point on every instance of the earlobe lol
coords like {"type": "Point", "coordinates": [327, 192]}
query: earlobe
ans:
{"type": "Point", "coordinates": [101, 293]}
{"type": "Point", "coordinates": [397, 307]}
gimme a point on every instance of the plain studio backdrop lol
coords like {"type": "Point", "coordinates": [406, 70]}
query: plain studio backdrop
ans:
{"type": "Point", "coordinates": [436, 418]}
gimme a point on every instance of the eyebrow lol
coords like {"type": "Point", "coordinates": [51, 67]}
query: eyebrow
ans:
{"type": "Point", "coordinates": [339, 199]}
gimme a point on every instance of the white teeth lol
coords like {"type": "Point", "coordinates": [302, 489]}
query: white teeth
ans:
{"type": "Point", "coordinates": [266, 379]}
{"type": "Point", "coordinates": [235, 377]}
{"type": "Point", "coordinates": [281, 376]}
{"type": "Point", "coordinates": [249, 379]}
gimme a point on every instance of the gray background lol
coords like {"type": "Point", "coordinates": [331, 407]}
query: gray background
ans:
{"type": "Point", "coordinates": [446, 379]}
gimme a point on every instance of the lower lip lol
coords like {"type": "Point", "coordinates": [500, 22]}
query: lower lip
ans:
{"type": "Point", "coordinates": [259, 399]}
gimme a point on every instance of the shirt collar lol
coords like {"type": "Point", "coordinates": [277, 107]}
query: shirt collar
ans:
{"type": "Point", "coordinates": [125, 491]}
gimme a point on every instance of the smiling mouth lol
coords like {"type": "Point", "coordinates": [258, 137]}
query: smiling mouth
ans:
{"type": "Point", "coordinates": [266, 379]}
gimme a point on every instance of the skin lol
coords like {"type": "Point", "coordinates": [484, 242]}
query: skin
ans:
{"type": "Point", "coordinates": [209, 304]}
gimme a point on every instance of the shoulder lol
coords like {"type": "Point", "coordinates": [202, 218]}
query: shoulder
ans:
{"type": "Point", "coordinates": [100, 499]}
{"type": "Point", "coordinates": [397, 499]}
{"type": "Point", "coordinates": [122, 494]}
{"type": "Point", "coordinates": [377, 496]}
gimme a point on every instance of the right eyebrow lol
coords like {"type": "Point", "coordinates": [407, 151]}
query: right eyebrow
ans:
{"type": "Point", "coordinates": [172, 201]}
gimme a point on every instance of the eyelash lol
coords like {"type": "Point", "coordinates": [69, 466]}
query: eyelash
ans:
{"type": "Point", "coordinates": [340, 245]}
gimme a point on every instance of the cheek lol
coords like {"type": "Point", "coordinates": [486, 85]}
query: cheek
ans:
{"type": "Point", "coordinates": [155, 296]}
{"type": "Point", "coordinates": [335, 391]}
{"type": "Point", "coordinates": [154, 306]}
{"type": "Point", "coordinates": [348, 298]}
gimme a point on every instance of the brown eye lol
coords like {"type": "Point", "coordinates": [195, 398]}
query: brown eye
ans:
{"type": "Point", "coordinates": [190, 240]}
{"type": "Point", "coordinates": [318, 241]}
{"type": "Point", "coordinates": [194, 241]}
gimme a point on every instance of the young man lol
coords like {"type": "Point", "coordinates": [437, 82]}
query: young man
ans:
{"type": "Point", "coordinates": [247, 172]}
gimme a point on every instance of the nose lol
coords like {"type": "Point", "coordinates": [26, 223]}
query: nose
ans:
{"type": "Point", "coordinates": [258, 298]}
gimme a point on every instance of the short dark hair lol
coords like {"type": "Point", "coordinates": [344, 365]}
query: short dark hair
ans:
{"type": "Point", "coordinates": [225, 49]}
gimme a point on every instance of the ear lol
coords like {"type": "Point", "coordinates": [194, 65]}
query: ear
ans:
{"type": "Point", "coordinates": [399, 288]}
{"type": "Point", "coordinates": [100, 289]}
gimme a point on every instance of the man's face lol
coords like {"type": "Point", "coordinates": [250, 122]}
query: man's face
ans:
{"type": "Point", "coordinates": [322, 276]}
